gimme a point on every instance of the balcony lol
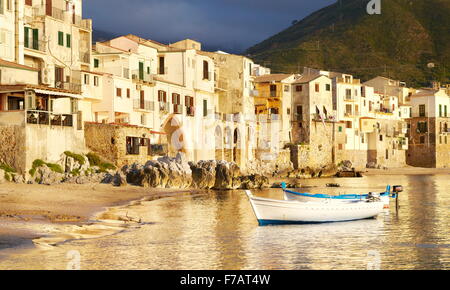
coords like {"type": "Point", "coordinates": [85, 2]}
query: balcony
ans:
{"type": "Point", "coordinates": [43, 10]}
{"type": "Point", "coordinates": [144, 105]}
{"type": "Point", "coordinates": [190, 111]}
{"type": "Point", "coordinates": [164, 107]}
{"type": "Point", "coordinates": [177, 109]}
{"type": "Point", "coordinates": [221, 85]}
{"type": "Point", "coordinates": [85, 57]}
{"type": "Point", "coordinates": [69, 86]}
{"type": "Point", "coordinates": [323, 118]}
{"type": "Point", "coordinates": [48, 118]}
{"type": "Point", "coordinates": [270, 94]}
{"type": "Point", "coordinates": [141, 76]}
{"type": "Point", "coordinates": [37, 45]}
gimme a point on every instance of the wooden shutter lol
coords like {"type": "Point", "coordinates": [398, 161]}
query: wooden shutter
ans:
{"type": "Point", "coordinates": [26, 37]}
{"type": "Point", "coordinates": [36, 39]}
{"type": "Point", "coordinates": [49, 8]}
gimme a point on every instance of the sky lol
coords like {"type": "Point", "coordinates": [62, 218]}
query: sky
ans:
{"type": "Point", "coordinates": [228, 25]}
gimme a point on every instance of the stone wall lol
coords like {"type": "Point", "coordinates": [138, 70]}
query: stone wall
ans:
{"type": "Point", "coordinates": [110, 142]}
{"type": "Point", "coordinates": [12, 147]}
{"type": "Point", "coordinates": [357, 157]}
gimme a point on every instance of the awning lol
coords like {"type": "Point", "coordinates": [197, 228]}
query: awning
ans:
{"type": "Point", "coordinates": [55, 93]}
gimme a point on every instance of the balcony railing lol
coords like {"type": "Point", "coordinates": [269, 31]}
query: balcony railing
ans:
{"type": "Point", "coordinates": [221, 85]}
{"type": "Point", "coordinates": [43, 10]}
{"type": "Point", "coordinates": [190, 111]}
{"type": "Point", "coordinates": [85, 57]}
{"type": "Point", "coordinates": [36, 45]}
{"type": "Point", "coordinates": [143, 105]}
{"type": "Point", "coordinates": [177, 109]}
{"type": "Point", "coordinates": [137, 75]}
{"type": "Point", "coordinates": [164, 107]}
{"type": "Point", "coordinates": [69, 86]}
{"type": "Point", "coordinates": [48, 118]}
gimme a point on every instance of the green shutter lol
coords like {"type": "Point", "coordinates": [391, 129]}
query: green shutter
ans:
{"type": "Point", "coordinates": [26, 37]}
{"type": "Point", "coordinates": [96, 63]}
{"type": "Point", "coordinates": [36, 39]}
{"type": "Point", "coordinates": [205, 108]}
{"type": "Point", "coordinates": [141, 70]}
{"type": "Point", "coordinates": [61, 38]}
{"type": "Point", "coordinates": [68, 40]}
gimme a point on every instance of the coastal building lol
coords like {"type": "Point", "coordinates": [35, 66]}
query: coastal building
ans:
{"type": "Point", "coordinates": [167, 89]}
{"type": "Point", "coordinates": [234, 83]}
{"type": "Point", "coordinates": [373, 126]}
{"type": "Point", "coordinates": [429, 131]}
{"type": "Point", "coordinates": [44, 48]}
{"type": "Point", "coordinates": [318, 138]}
{"type": "Point", "coordinates": [273, 102]}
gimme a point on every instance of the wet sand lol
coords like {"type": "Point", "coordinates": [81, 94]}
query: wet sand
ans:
{"type": "Point", "coordinates": [37, 215]}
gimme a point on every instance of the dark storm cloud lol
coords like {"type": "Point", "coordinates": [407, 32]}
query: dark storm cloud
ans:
{"type": "Point", "coordinates": [231, 25]}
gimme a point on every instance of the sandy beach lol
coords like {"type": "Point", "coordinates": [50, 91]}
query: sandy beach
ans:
{"type": "Point", "coordinates": [37, 215]}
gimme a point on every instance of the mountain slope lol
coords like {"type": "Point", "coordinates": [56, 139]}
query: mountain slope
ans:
{"type": "Point", "coordinates": [400, 43]}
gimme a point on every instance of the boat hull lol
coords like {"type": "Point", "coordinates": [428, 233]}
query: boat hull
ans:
{"type": "Point", "coordinates": [270, 211]}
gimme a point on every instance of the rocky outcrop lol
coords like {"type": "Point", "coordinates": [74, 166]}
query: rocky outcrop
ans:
{"type": "Point", "coordinates": [227, 176]}
{"type": "Point", "coordinates": [204, 174]}
{"type": "Point", "coordinates": [44, 175]}
{"type": "Point", "coordinates": [178, 173]}
{"type": "Point", "coordinates": [254, 182]}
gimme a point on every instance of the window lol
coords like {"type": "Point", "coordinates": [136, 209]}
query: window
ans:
{"type": "Point", "coordinates": [205, 108]}
{"type": "Point", "coordinates": [68, 40]}
{"type": "Point", "coordinates": [29, 2]}
{"type": "Point", "coordinates": [205, 70]}
{"type": "Point", "coordinates": [381, 138]}
{"type": "Point", "coordinates": [422, 140]}
{"type": "Point", "coordinates": [61, 38]}
{"type": "Point", "coordinates": [299, 88]}
{"type": "Point", "coordinates": [161, 70]}
{"type": "Point", "coordinates": [176, 101]}
{"type": "Point", "coordinates": [119, 92]}
{"type": "Point", "coordinates": [189, 103]}
{"type": "Point", "coordinates": [340, 129]}
{"type": "Point", "coordinates": [286, 88]}
{"type": "Point", "coordinates": [317, 88]}
{"type": "Point", "coordinates": [328, 87]}
{"type": "Point", "coordinates": [299, 113]}
{"type": "Point", "coordinates": [440, 111]}
{"type": "Point", "coordinates": [128, 93]}
{"type": "Point", "coordinates": [445, 111]}
{"type": "Point", "coordinates": [26, 36]}
{"type": "Point", "coordinates": [2, 9]}
{"type": "Point", "coordinates": [96, 81]}
{"type": "Point", "coordinates": [348, 94]}
{"type": "Point", "coordinates": [422, 127]}
{"type": "Point", "coordinates": [144, 120]}
{"type": "Point", "coordinates": [96, 63]}
{"type": "Point", "coordinates": [348, 124]}
{"type": "Point", "coordinates": [288, 111]}
{"type": "Point", "coordinates": [421, 110]}
{"type": "Point", "coordinates": [162, 96]}
{"type": "Point", "coordinates": [133, 144]}
{"type": "Point", "coordinates": [86, 79]}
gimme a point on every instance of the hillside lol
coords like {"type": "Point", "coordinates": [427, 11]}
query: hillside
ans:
{"type": "Point", "coordinates": [400, 43]}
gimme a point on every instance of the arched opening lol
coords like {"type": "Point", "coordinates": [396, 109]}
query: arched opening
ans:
{"type": "Point", "coordinates": [228, 145]}
{"type": "Point", "coordinates": [237, 146]}
{"type": "Point", "coordinates": [218, 143]}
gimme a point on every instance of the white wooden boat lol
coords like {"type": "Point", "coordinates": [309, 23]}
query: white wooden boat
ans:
{"type": "Point", "coordinates": [271, 211]}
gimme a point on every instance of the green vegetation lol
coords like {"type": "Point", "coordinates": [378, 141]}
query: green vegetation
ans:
{"type": "Point", "coordinates": [400, 43]}
{"type": "Point", "coordinates": [95, 160]}
{"type": "Point", "coordinates": [7, 168]}
{"type": "Point", "coordinates": [77, 157]}
{"type": "Point", "coordinates": [38, 163]}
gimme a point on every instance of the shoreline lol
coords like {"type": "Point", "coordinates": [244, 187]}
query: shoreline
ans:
{"type": "Point", "coordinates": [40, 216]}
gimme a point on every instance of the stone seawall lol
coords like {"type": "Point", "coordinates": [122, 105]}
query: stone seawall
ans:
{"type": "Point", "coordinates": [12, 147]}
